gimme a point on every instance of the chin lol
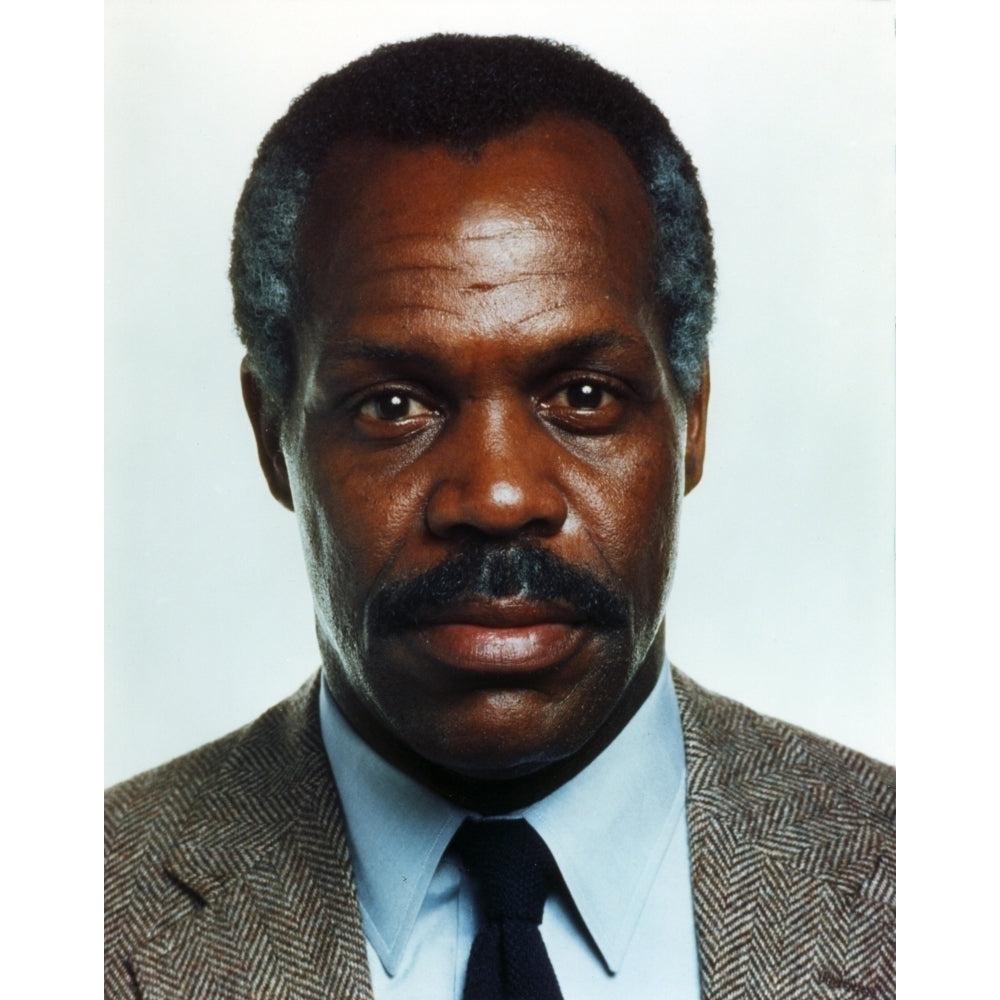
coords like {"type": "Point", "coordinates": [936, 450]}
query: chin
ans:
{"type": "Point", "coordinates": [501, 738]}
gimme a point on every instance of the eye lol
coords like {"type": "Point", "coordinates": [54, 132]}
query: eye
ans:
{"type": "Point", "coordinates": [586, 405]}
{"type": "Point", "coordinates": [584, 395]}
{"type": "Point", "coordinates": [391, 413]}
{"type": "Point", "coordinates": [391, 405]}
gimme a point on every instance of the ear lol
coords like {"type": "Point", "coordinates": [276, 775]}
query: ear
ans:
{"type": "Point", "coordinates": [265, 418]}
{"type": "Point", "coordinates": [694, 450]}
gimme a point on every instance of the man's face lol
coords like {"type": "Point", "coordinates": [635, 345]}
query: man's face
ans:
{"type": "Point", "coordinates": [486, 450]}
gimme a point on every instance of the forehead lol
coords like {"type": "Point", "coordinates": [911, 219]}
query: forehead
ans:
{"type": "Point", "coordinates": [376, 204]}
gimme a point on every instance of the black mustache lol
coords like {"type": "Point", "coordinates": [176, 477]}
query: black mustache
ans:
{"type": "Point", "coordinates": [527, 571]}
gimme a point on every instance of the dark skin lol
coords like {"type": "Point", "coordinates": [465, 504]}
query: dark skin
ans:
{"type": "Point", "coordinates": [484, 365]}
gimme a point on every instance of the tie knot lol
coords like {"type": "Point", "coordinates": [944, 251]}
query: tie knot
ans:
{"type": "Point", "coordinates": [513, 867]}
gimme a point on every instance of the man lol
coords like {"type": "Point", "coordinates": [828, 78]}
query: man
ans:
{"type": "Point", "coordinates": [474, 278]}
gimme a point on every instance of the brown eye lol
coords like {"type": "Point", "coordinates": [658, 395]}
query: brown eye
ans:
{"type": "Point", "coordinates": [390, 406]}
{"type": "Point", "coordinates": [585, 395]}
{"type": "Point", "coordinates": [586, 405]}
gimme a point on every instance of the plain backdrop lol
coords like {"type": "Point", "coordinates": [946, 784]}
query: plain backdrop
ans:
{"type": "Point", "coordinates": [783, 596]}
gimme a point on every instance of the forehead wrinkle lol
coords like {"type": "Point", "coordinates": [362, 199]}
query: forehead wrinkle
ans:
{"type": "Point", "coordinates": [389, 239]}
{"type": "Point", "coordinates": [336, 352]}
{"type": "Point", "coordinates": [479, 231]}
{"type": "Point", "coordinates": [540, 312]}
{"type": "Point", "coordinates": [534, 241]}
{"type": "Point", "coordinates": [518, 279]}
{"type": "Point", "coordinates": [426, 253]}
{"type": "Point", "coordinates": [545, 311]}
{"type": "Point", "coordinates": [526, 225]}
{"type": "Point", "coordinates": [395, 311]}
{"type": "Point", "coordinates": [566, 300]}
{"type": "Point", "coordinates": [391, 269]}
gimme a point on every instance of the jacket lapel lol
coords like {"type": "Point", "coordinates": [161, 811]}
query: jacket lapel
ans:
{"type": "Point", "coordinates": [790, 899]}
{"type": "Point", "coordinates": [266, 901]}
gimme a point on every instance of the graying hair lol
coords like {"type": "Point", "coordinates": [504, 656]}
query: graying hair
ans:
{"type": "Point", "coordinates": [461, 90]}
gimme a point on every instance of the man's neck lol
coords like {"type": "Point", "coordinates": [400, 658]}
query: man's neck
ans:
{"type": "Point", "coordinates": [498, 796]}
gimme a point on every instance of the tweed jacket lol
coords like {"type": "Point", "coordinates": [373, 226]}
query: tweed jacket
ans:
{"type": "Point", "coordinates": [228, 875]}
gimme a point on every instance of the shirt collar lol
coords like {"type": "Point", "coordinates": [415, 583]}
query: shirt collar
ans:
{"type": "Point", "coordinates": [398, 830]}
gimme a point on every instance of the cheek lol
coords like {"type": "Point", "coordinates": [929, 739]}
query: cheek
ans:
{"type": "Point", "coordinates": [628, 509]}
{"type": "Point", "coordinates": [630, 498]}
{"type": "Point", "coordinates": [355, 518]}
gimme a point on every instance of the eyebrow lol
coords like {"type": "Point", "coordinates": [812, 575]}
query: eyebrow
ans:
{"type": "Point", "coordinates": [340, 351]}
{"type": "Point", "coordinates": [587, 344]}
{"type": "Point", "coordinates": [343, 352]}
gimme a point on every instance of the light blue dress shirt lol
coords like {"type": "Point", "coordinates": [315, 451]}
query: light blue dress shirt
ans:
{"type": "Point", "coordinates": [617, 830]}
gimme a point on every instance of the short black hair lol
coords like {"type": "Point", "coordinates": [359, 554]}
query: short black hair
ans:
{"type": "Point", "coordinates": [461, 91]}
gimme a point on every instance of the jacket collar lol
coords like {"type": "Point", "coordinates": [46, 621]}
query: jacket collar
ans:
{"type": "Point", "coordinates": [266, 878]}
{"type": "Point", "coordinates": [783, 884]}
{"type": "Point", "coordinates": [787, 874]}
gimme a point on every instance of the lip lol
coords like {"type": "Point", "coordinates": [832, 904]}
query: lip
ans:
{"type": "Point", "coordinates": [510, 636]}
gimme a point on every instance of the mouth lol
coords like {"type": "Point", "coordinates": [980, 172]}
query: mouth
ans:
{"type": "Point", "coordinates": [509, 636]}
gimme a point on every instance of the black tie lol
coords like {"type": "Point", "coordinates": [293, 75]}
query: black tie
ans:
{"type": "Point", "coordinates": [515, 872]}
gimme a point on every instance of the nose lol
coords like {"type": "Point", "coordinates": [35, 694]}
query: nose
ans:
{"type": "Point", "coordinates": [499, 476]}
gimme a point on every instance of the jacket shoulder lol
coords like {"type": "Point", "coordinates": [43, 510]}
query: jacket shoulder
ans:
{"type": "Point", "coordinates": [152, 806]}
{"type": "Point", "coordinates": [149, 815]}
{"type": "Point", "coordinates": [733, 744]}
{"type": "Point", "coordinates": [793, 856]}
{"type": "Point", "coordinates": [800, 799]}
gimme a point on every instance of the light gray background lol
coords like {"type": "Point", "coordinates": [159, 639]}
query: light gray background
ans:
{"type": "Point", "coordinates": [784, 591]}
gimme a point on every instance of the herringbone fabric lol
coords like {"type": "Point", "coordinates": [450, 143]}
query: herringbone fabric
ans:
{"type": "Point", "coordinates": [792, 855]}
{"type": "Point", "coordinates": [228, 876]}
{"type": "Point", "coordinates": [227, 872]}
